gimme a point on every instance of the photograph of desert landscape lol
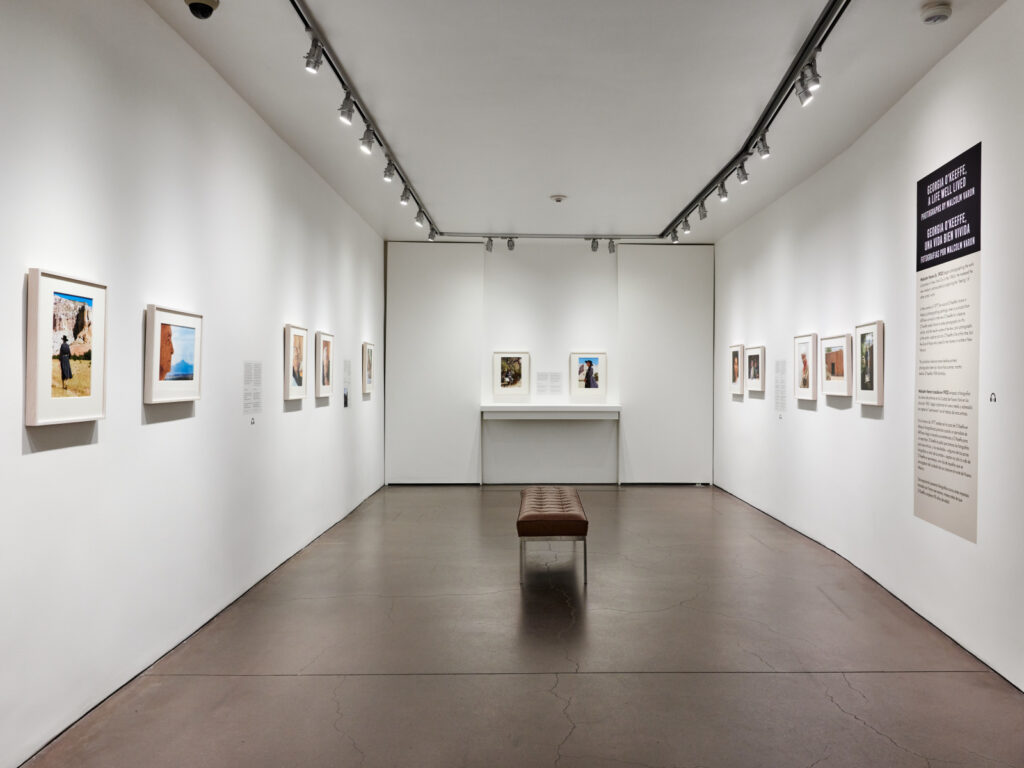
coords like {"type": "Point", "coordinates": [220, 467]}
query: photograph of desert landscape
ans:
{"type": "Point", "coordinates": [72, 346]}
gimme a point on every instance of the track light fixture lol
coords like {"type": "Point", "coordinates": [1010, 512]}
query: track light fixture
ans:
{"type": "Point", "coordinates": [489, 245]}
{"type": "Point", "coordinates": [315, 56]}
{"type": "Point", "coordinates": [723, 193]}
{"type": "Point", "coordinates": [763, 151]}
{"type": "Point", "coordinates": [366, 143]}
{"type": "Point", "coordinates": [406, 196]}
{"type": "Point", "coordinates": [511, 243]}
{"type": "Point", "coordinates": [390, 171]}
{"type": "Point", "coordinates": [611, 247]}
{"type": "Point", "coordinates": [674, 237]}
{"type": "Point", "coordinates": [347, 109]}
{"type": "Point", "coordinates": [433, 235]}
{"type": "Point", "coordinates": [702, 211]}
{"type": "Point", "coordinates": [593, 245]}
{"type": "Point", "coordinates": [686, 225]}
{"type": "Point", "coordinates": [420, 219]}
{"type": "Point", "coordinates": [741, 173]}
{"type": "Point", "coordinates": [810, 75]}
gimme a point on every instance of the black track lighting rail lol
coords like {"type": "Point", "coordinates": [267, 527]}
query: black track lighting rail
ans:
{"type": "Point", "coordinates": [812, 45]}
{"type": "Point", "coordinates": [360, 106]}
{"type": "Point", "coordinates": [756, 141]}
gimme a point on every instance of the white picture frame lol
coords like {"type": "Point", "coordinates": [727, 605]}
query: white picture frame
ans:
{"type": "Point", "coordinates": [295, 362]}
{"type": "Point", "coordinates": [753, 368]}
{"type": "Point", "coordinates": [324, 364]}
{"type": "Point", "coordinates": [59, 305]}
{"type": "Point", "coordinates": [173, 362]}
{"type": "Point", "coordinates": [805, 366]}
{"type": "Point", "coordinates": [588, 376]}
{"type": "Point", "coordinates": [735, 372]}
{"type": "Point", "coordinates": [836, 365]}
{"type": "Point", "coordinates": [369, 370]}
{"type": "Point", "coordinates": [869, 363]}
{"type": "Point", "coordinates": [510, 374]}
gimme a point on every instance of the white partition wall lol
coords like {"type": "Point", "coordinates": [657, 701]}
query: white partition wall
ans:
{"type": "Point", "coordinates": [435, 332]}
{"type": "Point", "coordinates": [548, 298]}
{"type": "Point", "coordinates": [839, 250]}
{"type": "Point", "coordinates": [666, 331]}
{"type": "Point", "coordinates": [126, 160]}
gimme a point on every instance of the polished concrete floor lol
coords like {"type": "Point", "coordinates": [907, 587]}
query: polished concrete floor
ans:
{"type": "Point", "coordinates": [709, 635]}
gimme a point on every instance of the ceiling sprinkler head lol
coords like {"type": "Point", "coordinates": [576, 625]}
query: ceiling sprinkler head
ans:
{"type": "Point", "coordinates": [558, 198]}
{"type": "Point", "coordinates": [936, 13]}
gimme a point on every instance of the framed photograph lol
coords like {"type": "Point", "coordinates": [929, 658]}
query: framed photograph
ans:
{"type": "Point", "coordinates": [174, 342]}
{"type": "Point", "coordinates": [753, 368]}
{"type": "Point", "coordinates": [870, 342]}
{"type": "Point", "coordinates": [65, 350]}
{"type": "Point", "coordinates": [588, 376]}
{"type": "Point", "coordinates": [805, 366]}
{"type": "Point", "coordinates": [368, 369]}
{"type": "Point", "coordinates": [836, 365]}
{"type": "Point", "coordinates": [511, 373]}
{"type": "Point", "coordinates": [324, 364]}
{"type": "Point", "coordinates": [736, 369]}
{"type": "Point", "coordinates": [294, 362]}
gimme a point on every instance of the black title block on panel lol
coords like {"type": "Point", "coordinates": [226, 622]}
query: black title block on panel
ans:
{"type": "Point", "coordinates": [949, 210]}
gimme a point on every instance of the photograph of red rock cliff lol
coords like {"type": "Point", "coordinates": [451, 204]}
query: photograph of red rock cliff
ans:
{"type": "Point", "coordinates": [72, 346]}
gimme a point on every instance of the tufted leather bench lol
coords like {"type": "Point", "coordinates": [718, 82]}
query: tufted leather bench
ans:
{"type": "Point", "coordinates": [550, 513]}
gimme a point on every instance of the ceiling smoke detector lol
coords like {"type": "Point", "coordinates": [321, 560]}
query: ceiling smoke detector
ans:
{"type": "Point", "coordinates": [559, 198]}
{"type": "Point", "coordinates": [936, 13]}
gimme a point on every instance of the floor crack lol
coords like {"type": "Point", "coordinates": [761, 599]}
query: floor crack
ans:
{"type": "Point", "coordinates": [341, 716]}
{"type": "Point", "coordinates": [565, 713]}
{"type": "Point", "coordinates": [870, 727]}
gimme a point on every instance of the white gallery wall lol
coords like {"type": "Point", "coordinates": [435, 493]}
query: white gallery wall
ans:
{"type": "Point", "coordinates": [452, 306]}
{"type": "Point", "coordinates": [839, 250]}
{"type": "Point", "coordinates": [127, 161]}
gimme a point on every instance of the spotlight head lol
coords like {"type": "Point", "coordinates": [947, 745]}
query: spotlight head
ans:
{"type": "Point", "coordinates": [702, 211]}
{"type": "Point", "coordinates": [347, 110]}
{"type": "Point", "coordinates": [686, 225]}
{"type": "Point", "coordinates": [674, 237]}
{"type": "Point", "coordinates": [803, 92]}
{"type": "Point", "coordinates": [741, 173]}
{"type": "Point", "coordinates": [611, 247]}
{"type": "Point", "coordinates": [202, 9]}
{"type": "Point", "coordinates": [433, 235]}
{"type": "Point", "coordinates": [406, 196]}
{"type": "Point", "coordinates": [315, 56]}
{"type": "Point", "coordinates": [420, 219]}
{"type": "Point", "coordinates": [763, 151]}
{"type": "Point", "coordinates": [366, 143]}
{"type": "Point", "coordinates": [723, 193]}
{"type": "Point", "coordinates": [390, 171]}
{"type": "Point", "coordinates": [489, 245]}
{"type": "Point", "coordinates": [593, 245]}
{"type": "Point", "coordinates": [809, 75]}
{"type": "Point", "coordinates": [511, 243]}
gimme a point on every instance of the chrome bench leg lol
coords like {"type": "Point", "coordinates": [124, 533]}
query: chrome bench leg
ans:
{"type": "Point", "coordinates": [584, 561]}
{"type": "Point", "coordinates": [522, 556]}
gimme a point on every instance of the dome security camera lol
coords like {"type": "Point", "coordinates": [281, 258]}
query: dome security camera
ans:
{"type": "Point", "coordinates": [202, 9]}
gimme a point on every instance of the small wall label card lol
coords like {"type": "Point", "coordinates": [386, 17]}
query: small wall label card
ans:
{"type": "Point", "coordinates": [65, 350]}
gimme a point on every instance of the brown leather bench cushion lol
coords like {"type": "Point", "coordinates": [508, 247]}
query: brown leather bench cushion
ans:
{"type": "Point", "coordinates": [551, 510]}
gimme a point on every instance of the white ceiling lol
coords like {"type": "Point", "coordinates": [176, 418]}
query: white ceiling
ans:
{"type": "Point", "coordinates": [628, 107]}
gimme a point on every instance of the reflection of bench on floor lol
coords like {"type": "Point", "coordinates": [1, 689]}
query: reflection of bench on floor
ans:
{"type": "Point", "coordinates": [550, 513]}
